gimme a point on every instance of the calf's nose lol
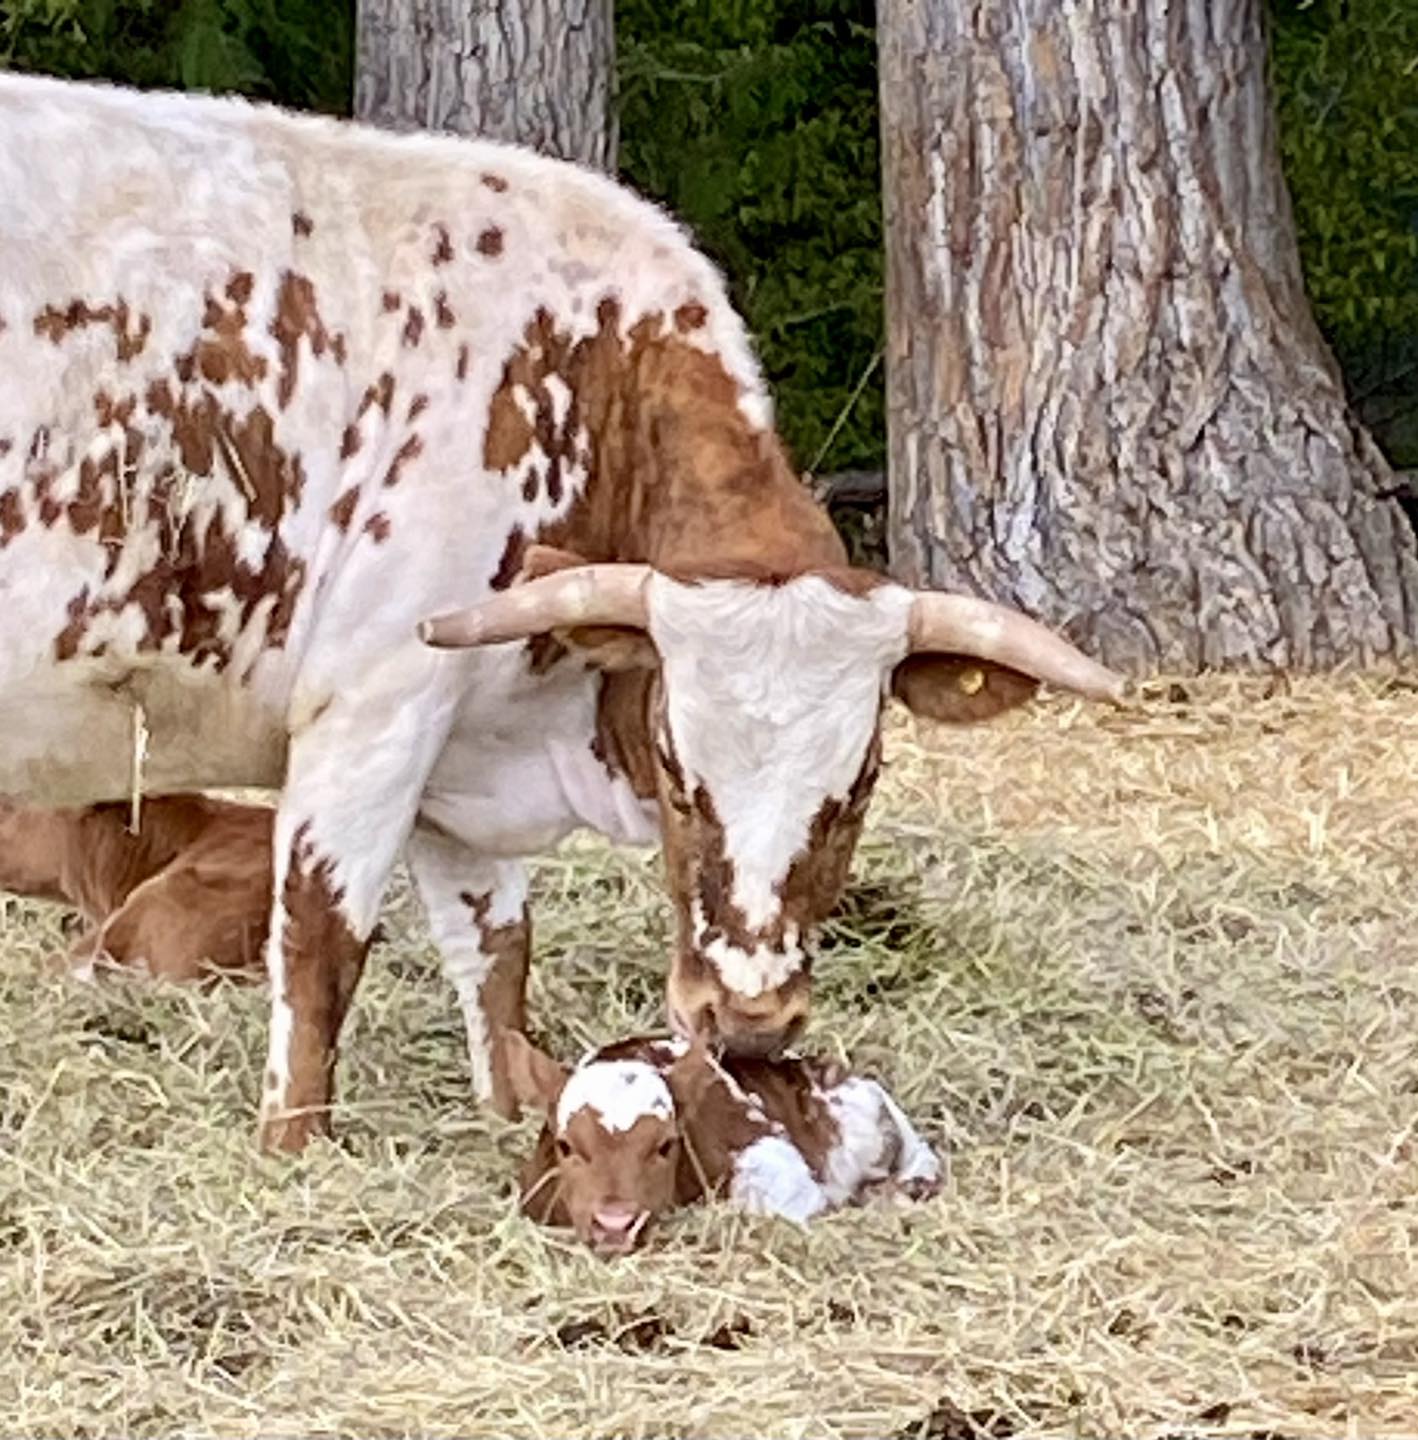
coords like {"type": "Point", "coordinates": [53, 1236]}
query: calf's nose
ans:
{"type": "Point", "coordinates": [614, 1219]}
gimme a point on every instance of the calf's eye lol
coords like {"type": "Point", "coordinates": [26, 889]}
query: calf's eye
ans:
{"type": "Point", "coordinates": [563, 1148]}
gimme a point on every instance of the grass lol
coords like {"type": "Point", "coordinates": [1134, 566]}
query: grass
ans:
{"type": "Point", "coordinates": [1150, 978]}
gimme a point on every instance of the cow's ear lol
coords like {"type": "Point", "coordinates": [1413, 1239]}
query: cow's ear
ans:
{"type": "Point", "coordinates": [959, 689]}
{"type": "Point", "coordinates": [612, 648]}
{"type": "Point", "coordinates": [539, 560]}
{"type": "Point", "coordinates": [536, 1079]}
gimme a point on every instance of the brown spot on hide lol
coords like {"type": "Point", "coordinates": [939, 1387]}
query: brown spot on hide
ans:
{"type": "Point", "coordinates": [391, 301]}
{"type": "Point", "coordinates": [413, 327]}
{"type": "Point", "coordinates": [443, 246]}
{"type": "Point", "coordinates": [443, 312]}
{"type": "Point", "coordinates": [461, 369]}
{"type": "Point", "coordinates": [196, 573]}
{"type": "Point", "coordinates": [342, 511]}
{"type": "Point", "coordinates": [129, 339]}
{"type": "Point", "coordinates": [490, 242]}
{"type": "Point", "coordinates": [690, 316]}
{"type": "Point", "coordinates": [417, 406]}
{"type": "Point", "coordinates": [302, 224]}
{"type": "Point", "coordinates": [623, 728]}
{"type": "Point", "coordinates": [221, 353]}
{"type": "Point", "coordinates": [297, 318]}
{"type": "Point", "coordinates": [381, 393]}
{"type": "Point", "coordinates": [503, 994]}
{"type": "Point", "coordinates": [410, 450]}
{"type": "Point", "coordinates": [110, 411]}
{"type": "Point", "coordinates": [494, 182]}
{"type": "Point", "coordinates": [240, 287]}
{"type": "Point", "coordinates": [322, 959]}
{"type": "Point", "coordinates": [12, 517]}
{"type": "Point", "coordinates": [510, 564]}
{"type": "Point", "coordinates": [675, 474]}
{"type": "Point", "coordinates": [377, 527]}
{"type": "Point", "coordinates": [350, 442]}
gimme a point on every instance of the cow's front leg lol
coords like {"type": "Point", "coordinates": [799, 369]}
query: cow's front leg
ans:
{"type": "Point", "coordinates": [352, 790]}
{"type": "Point", "coordinates": [477, 911]}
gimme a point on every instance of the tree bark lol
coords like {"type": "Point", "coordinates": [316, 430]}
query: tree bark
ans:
{"type": "Point", "coordinates": [538, 72]}
{"type": "Point", "coordinates": [1108, 400]}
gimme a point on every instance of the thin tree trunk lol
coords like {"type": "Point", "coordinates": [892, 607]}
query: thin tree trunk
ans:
{"type": "Point", "coordinates": [539, 72]}
{"type": "Point", "coordinates": [1109, 403]}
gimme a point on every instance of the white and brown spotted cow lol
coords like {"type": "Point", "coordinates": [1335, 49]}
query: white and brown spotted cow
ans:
{"type": "Point", "coordinates": [650, 1123]}
{"type": "Point", "coordinates": [276, 389]}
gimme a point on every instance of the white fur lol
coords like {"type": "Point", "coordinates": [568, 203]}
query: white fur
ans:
{"type": "Point", "coordinates": [772, 696]}
{"type": "Point", "coordinates": [445, 871]}
{"type": "Point", "coordinates": [915, 1159]}
{"type": "Point", "coordinates": [619, 1092]}
{"type": "Point", "coordinates": [770, 1177]}
{"type": "Point", "coordinates": [875, 1141]}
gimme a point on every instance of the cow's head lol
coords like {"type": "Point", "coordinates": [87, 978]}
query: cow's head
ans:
{"type": "Point", "coordinates": [765, 732]}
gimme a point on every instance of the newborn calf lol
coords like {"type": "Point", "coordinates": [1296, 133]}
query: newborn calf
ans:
{"type": "Point", "coordinates": [647, 1124]}
{"type": "Point", "coordinates": [185, 897]}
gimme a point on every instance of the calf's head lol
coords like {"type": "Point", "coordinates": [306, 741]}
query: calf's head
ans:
{"type": "Point", "coordinates": [610, 1155]}
{"type": "Point", "coordinates": [764, 716]}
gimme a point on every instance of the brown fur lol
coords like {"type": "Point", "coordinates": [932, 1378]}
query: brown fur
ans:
{"type": "Point", "coordinates": [568, 1177]}
{"type": "Point", "coordinates": [323, 960]}
{"type": "Point", "coordinates": [186, 898]}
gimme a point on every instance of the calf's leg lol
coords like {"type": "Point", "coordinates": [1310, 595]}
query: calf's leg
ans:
{"type": "Point", "coordinates": [477, 911]}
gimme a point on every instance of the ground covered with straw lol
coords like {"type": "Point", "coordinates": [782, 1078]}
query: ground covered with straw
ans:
{"type": "Point", "coordinates": [1149, 978]}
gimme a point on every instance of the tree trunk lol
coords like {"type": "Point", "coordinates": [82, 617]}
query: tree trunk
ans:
{"type": "Point", "coordinates": [1109, 403]}
{"type": "Point", "coordinates": [538, 72]}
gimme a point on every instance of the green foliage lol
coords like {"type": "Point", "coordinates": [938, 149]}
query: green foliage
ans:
{"type": "Point", "coordinates": [1346, 86]}
{"type": "Point", "coordinates": [299, 52]}
{"type": "Point", "coordinates": [756, 122]}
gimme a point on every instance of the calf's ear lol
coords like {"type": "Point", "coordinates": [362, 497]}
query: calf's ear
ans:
{"type": "Point", "coordinates": [536, 1079]}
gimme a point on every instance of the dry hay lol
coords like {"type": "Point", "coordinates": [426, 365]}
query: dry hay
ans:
{"type": "Point", "coordinates": [1150, 976]}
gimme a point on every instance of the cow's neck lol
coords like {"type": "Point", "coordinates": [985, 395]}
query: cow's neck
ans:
{"type": "Point", "coordinates": [679, 477]}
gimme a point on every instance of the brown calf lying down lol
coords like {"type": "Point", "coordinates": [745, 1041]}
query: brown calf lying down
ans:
{"type": "Point", "coordinates": [185, 898]}
{"type": "Point", "coordinates": [650, 1123]}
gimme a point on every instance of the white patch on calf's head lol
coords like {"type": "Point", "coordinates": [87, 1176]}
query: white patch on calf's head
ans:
{"type": "Point", "coordinates": [617, 1092]}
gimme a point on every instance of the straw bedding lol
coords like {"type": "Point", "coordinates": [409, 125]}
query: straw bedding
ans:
{"type": "Point", "coordinates": [1149, 977]}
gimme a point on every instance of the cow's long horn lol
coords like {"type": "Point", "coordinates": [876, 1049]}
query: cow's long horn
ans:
{"type": "Point", "coordinates": [963, 625]}
{"type": "Point", "coordinates": [585, 595]}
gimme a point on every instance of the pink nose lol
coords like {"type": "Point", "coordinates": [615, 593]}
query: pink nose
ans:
{"type": "Point", "coordinates": [614, 1219]}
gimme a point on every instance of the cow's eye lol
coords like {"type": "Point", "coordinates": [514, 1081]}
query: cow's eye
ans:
{"type": "Point", "coordinates": [664, 1148]}
{"type": "Point", "coordinates": [563, 1148]}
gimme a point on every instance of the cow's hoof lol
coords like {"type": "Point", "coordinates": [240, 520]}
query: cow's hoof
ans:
{"type": "Point", "coordinates": [280, 1133]}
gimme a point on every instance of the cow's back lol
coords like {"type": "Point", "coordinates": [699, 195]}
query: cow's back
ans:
{"type": "Point", "coordinates": [266, 399]}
